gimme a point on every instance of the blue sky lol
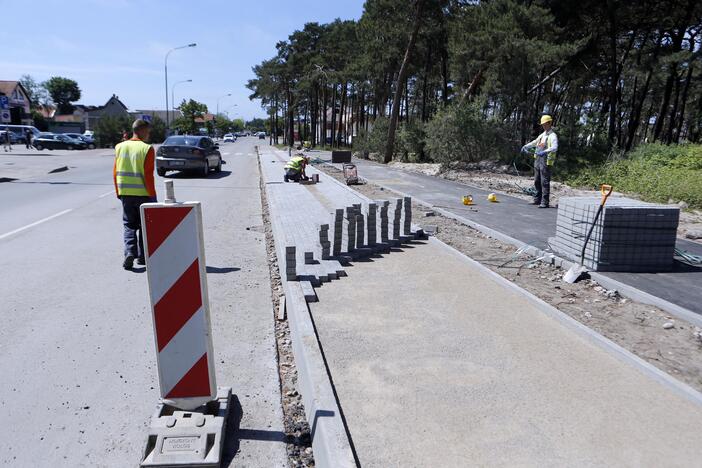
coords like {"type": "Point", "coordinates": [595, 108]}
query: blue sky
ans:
{"type": "Point", "coordinates": [118, 46]}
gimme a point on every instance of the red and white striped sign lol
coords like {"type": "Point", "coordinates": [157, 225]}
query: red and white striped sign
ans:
{"type": "Point", "coordinates": [175, 266]}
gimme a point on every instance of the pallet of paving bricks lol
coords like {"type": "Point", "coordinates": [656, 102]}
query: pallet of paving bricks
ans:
{"type": "Point", "coordinates": [629, 236]}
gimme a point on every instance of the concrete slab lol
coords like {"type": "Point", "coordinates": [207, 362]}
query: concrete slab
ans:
{"type": "Point", "coordinates": [476, 374]}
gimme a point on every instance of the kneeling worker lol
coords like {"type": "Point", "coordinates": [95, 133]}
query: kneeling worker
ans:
{"type": "Point", "coordinates": [295, 169]}
{"type": "Point", "coordinates": [546, 146]}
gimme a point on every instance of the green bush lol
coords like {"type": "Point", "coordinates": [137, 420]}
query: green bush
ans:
{"type": "Point", "coordinates": [655, 172]}
{"type": "Point", "coordinates": [460, 132]}
{"type": "Point", "coordinates": [374, 140]}
{"type": "Point", "coordinates": [109, 130]}
{"type": "Point", "coordinates": [410, 143]}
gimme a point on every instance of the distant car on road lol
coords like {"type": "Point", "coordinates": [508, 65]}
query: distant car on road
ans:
{"type": "Point", "coordinates": [229, 138]}
{"type": "Point", "coordinates": [89, 133]}
{"type": "Point", "coordinates": [261, 135]}
{"type": "Point", "coordinates": [187, 153]}
{"type": "Point", "coordinates": [89, 141]}
{"type": "Point", "coordinates": [54, 141]}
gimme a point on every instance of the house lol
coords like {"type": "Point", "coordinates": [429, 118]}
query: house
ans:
{"type": "Point", "coordinates": [20, 105]}
{"type": "Point", "coordinates": [112, 108]}
{"type": "Point", "coordinates": [161, 114]}
{"type": "Point", "coordinates": [86, 117]}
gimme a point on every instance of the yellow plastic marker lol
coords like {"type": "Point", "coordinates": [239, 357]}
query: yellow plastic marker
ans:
{"type": "Point", "coordinates": [467, 199]}
{"type": "Point", "coordinates": [492, 198]}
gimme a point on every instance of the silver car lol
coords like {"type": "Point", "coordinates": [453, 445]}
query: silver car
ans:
{"type": "Point", "coordinates": [188, 153]}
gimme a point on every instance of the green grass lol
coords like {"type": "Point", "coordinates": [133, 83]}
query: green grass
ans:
{"type": "Point", "coordinates": [655, 172]}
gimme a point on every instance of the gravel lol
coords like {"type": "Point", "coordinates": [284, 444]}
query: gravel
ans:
{"type": "Point", "coordinates": [297, 431]}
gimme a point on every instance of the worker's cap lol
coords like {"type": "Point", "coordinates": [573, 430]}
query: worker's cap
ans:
{"type": "Point", "coordinates": [545, 118]}
{"type": "Point", "coordinates": [139, 123]}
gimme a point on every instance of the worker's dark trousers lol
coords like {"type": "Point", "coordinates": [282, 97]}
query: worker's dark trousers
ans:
{"type": "Point", "coordinates": [291, 174]}
{"type": "Point", "coordinates": [133, 239]}
{"type": "Point", "coordinates": [542, 181]}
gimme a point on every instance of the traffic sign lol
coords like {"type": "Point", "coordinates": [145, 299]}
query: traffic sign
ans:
{"type": "Point", "coordinates": [146, 117]}
{"type": "Point", "coordinates": [5, 116]}
{"type": "Point", "coordinates": [175, 267]}
{"type": "Point", "coordinates": [4, 102]}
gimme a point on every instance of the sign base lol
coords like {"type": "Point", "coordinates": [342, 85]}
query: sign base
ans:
{"type": "Point", "coordinates": [188, 438]}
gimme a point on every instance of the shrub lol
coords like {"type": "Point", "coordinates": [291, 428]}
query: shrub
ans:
{"type": "Point", "coordinates": [373, 140]}
{"type": "Point", "coordinates": [459, 132]}
{"type": "Point", "coordinates": [655, 172]}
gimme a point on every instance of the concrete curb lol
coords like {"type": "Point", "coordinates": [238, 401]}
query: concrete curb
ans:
{"type": "Point", "coordinates": [609, 283]}
{"type": "Point", "coordinates": [595, 338]}
{"type": "Point", "coordinates": [330, 440]}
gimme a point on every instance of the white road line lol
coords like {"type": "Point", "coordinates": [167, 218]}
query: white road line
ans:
{"type": "Point", "coordinates": [106, 194]}
{"type": "Point", "coordinates": [36, 223]}
{"type": "Point", "coordinates": [239, 154]}
{"type": "Point", "coordinates": [225, 154]}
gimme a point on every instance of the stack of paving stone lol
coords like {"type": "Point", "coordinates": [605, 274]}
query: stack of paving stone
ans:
{"type": "Point", "coordinates": [630, 236]}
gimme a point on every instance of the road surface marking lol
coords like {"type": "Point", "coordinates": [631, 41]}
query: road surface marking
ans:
{"type": "Point", "coordinates": [106, 194]}
{"type": "Point", "coordinates": [225, 154]}
{"type": "Point", "coordinates": [36, 223]}
{"type": "Point", "coordinates": [239, 154]}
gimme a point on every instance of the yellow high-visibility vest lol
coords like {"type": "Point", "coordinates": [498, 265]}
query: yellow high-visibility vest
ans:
{"type": "Point", "coordinates": [129, 167]}
{"type": "Point", "coordinates": [295, 163]}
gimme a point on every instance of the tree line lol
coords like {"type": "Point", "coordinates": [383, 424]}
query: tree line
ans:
{"type": "Point", "coordinates": [418, 78]}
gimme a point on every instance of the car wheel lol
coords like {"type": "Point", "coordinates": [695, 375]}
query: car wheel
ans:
{"type": "Point", "coordinates": [206, 169]}
{"type": "Point", "coordinates": [161, 172]}
{"type": "Point", "coordinates": [91, 146]}
{"type": "Point", "coordinates": [219, 166]}
{"type": "Point", "coordinates": [38, 147]}
{"type": "Point", "coordinates": [69, 148]}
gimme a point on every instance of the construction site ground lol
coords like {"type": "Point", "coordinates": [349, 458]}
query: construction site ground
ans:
{"type": "Point", "coordinates": [642, 329]}
{"type": "Point", "coordinates": [507, 179]}
{"type": "Point", "coordinates": [436, 362]}
{"type": "Point", "coordinates": [532, 226]}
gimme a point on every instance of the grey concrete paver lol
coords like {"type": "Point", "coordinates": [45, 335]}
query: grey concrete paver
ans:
{"type": "Point", "coordinates": [474, 374]}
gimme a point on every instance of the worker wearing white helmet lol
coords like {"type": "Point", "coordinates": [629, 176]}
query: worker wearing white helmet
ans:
{"type": "Point", "coordinates": [546, 147]}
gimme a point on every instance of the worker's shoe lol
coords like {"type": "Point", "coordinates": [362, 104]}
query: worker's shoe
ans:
{"type": "Point", "coordinates": [141, 261]}
{"type": "Point", "coordinates": [128, 262]}
{"type": "Point", "coordinates": [543, 205]}
{"type": "Point", "coordinates": [535, 202]}
{"type": "Point", "coordinates": [285, 178]}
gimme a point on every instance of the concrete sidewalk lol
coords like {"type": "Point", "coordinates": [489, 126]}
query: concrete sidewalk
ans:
{"type": "Point", "coordinates": [438, 362]}
{"type": "Point", "coordinates": [527, 224]}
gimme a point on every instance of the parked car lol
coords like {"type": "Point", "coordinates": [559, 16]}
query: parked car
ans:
{"type": "Point", "coordinates": [89, 133]}
{"type": "Point", "coordinates": [229, 138]}
{"type": "Point", "coordinates": [261, 135]}
{"type": "Point", "coordinates": [54, 141]}
{"type": "Point", "coordinates": [14, 138]}
{"type": "Point", "coordinates": [89, 140]}
{"type": "Point", "coordinates": [188, 152]}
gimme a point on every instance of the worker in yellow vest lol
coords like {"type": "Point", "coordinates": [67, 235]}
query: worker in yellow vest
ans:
{"type": "Point", "coordinates": [133, 175]}
{"type": "Point", "coordinates": [546, 147]}
{"type": "Point", "coordinates": [295, 169]}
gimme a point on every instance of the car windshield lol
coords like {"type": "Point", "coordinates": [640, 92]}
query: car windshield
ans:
{"type": "Point", "coordinates": [182, 140]}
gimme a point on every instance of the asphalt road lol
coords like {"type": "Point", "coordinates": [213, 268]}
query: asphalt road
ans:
{"type": "Point", "coordinates": [528, 224]}
{"type": "Point", "coordinates": [76, 347]}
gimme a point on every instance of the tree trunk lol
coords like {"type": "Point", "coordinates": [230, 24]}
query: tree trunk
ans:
{"type": "Point", "coordinates": [404, 69]}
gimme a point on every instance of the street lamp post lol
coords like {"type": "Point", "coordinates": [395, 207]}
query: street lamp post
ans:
{"type": "Point", "coordinates": [166, 74]}
{"type": "Point", "coordinates": [173, 92]}
{"type": "Point", "coordinates": [217, 113]}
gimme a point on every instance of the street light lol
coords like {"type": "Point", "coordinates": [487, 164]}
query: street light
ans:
{"type": "Point", "coordinates": [166, 73]}
{"type": "Point", "coordinates": [222, 97]}
{"type": "Point", "coordinates": [173, 90]}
